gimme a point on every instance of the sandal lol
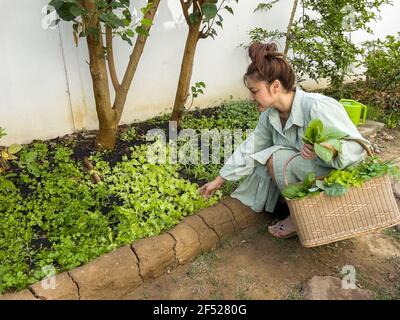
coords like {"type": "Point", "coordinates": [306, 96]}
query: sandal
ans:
{"type": "Point", "coordinates": [281, 227]}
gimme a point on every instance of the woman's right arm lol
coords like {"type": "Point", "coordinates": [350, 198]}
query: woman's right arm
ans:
{"type": "Point", "coordinates": [240, 163]}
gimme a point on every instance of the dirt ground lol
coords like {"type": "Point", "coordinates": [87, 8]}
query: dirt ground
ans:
{"type": "Point", "coordinates": [255, 265]}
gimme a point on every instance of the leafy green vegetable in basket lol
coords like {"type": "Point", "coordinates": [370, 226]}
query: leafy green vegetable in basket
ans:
{"type": "Point", "coordinates": [302, 189]}
{"type": "Point", "coordinates": [326, 140]}
{"type": "Point", "coordinates": [338, 182]}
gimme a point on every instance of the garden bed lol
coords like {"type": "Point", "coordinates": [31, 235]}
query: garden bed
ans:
{"type": "Point", "coordinates": [55, 218]}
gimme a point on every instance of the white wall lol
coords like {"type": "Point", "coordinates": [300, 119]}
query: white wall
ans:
{"type": "Point", "coordinates": [45, 85]}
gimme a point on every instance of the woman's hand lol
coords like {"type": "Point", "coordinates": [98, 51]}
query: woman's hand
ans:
{"type": "Point", "coordinates": [209, 188]}
{"type": "Point", "coordinates": [307, 152]}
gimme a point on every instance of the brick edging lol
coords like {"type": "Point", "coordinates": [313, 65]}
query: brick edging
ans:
{"type": "Point", "coordinates": [115, 274]}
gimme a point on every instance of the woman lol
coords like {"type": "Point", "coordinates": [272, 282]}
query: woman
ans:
{"type": "Point", "coordinates": [285, 114]}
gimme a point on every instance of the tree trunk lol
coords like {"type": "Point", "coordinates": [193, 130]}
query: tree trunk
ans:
{"type": "Point", "coordinates": [110, 114]}
{"type": "Point", "coordinates": [98, 69]}
{"type": "Point", "coordinates": [185, 76]}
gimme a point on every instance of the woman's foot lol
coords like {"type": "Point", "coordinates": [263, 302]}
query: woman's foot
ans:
{"type": "Point", "coordinates": [283, 229]}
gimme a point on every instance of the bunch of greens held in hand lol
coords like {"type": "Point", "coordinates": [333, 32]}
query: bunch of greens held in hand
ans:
{"type": "Point", "coordinates": [338, 182]}
{"type": "Point", "coordinates": [326, 140]}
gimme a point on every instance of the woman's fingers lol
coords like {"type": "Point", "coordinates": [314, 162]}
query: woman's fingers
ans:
{"type": "Point", "coordinates": [307, 152]}
{"type": "Point", "coordinates": [309, 146]}
{"type": "Point", "coordinates": [205, 190]}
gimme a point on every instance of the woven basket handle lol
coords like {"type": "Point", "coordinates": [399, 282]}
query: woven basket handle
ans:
{"type": "Point", "coordinates": [362, 143]}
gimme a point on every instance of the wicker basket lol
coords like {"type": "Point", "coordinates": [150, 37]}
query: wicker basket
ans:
{"type": "Point", "coordinates": [323, 219]}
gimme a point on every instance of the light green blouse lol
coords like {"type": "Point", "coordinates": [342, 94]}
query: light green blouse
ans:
{"type": "Point", "coordinates": [269, 138]}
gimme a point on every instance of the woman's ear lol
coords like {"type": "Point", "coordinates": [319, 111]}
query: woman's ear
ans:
{"type": "Point", "coordinates": [276, 86]}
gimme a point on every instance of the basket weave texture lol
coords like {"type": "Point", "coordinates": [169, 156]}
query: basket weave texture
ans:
{"type": "Point", "coordinates": [323, 219]}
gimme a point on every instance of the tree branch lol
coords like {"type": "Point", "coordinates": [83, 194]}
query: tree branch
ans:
{"type": "Point", "coordinates": [110, 58]}
{"type": "Point", "coordinates": [110, 53]}
{"type": "Point", "coordinates": [122, 92]}
{"type": "Point", "coordinates": [185, 8]}
{"type": "Point", "coordinates": [290, 26]}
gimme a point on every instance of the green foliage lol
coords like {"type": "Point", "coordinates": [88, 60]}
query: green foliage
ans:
{"type": "Point", "coordinates": [7, 153]}
{"type": "Point", "coordinates": [319, 136]}
{"type": "Point", "coordinates": [300, 190]}
{"type": "Point", "coordinates": [115, 14]}
{"type": "Point", "coordinates": [383, 62]}
{"type": "Point", "coordinates": [129, 135]}
{"type": "Point", "coordinates": [265, 6]}
{"type": "Point", "coordinates": [233, 115]}
{"type": "Point", "coordinates": [197, 89]}
{"type": "Point", "coordinates": [208, 14]}
{"type": "Point", "coordinates": [320, 39]}
{"type": "Point", "coordinates": [53, 215]}
{"type": "Point", "coordinates": [2, 132]}
{"type": "Point", "coordinates": [338, 182]}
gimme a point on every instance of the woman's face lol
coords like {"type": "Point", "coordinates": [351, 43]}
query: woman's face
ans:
{"type": "Point", "coordinates": [263, 94]}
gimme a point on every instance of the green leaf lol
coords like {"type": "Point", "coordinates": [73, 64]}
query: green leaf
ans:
{"type": "Point", "coordinates": [292, 191]}
{"type": "Point", "coordinates": [193, 18]}
{"type": "Point", "coordinates": [335, 143]}
{"type": "Point", "coordinates": [140, 30]}
{"type": "Point", "coordinates": [229, 9]}
{"type": "Point", "coordinates": [309, 180]}
{"type": "Point", "coordinates": [331, 133]}
{"type": "Point", "coordinates": [324, 153]}
{"type": "Point", "coordinates": [210, 10]}
{"type": "Point", "coordinates": [112, 20]}
{"type": "Point", "coordinates": [14, 148]}
{"type": "Point", "coordinates": [146, 22]}
{"type": "Point", "coordinates": [313, 130]}
{"type": "Point", "coordinates": [68, 11]}
{"type": "Point", "coordinates": [320, 184]}
{"type": "Point", "coordinates": [335, 189]}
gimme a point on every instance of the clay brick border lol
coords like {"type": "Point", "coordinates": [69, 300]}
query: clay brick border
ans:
{"type": "Point", "coordinates": [115, 274]}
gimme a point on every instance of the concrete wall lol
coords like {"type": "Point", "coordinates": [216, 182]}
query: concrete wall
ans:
{"type": "Point", "coordinates": [46, 89]}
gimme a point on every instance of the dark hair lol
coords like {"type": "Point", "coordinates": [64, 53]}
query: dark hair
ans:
{"type": "Point", "coordinates": [269, 65]}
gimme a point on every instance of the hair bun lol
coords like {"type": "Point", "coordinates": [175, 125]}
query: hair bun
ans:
{"type": "Point", "coordinates": [259, 51]}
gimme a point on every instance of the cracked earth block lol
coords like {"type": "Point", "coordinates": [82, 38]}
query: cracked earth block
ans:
{"type": "Point", "coordinates": [207, 237]}
{"type": "Point", "coordinates": [112, 275]}
{"type": "Point", "coordinates": [22, 295]}
{"type": "Point", "coordinates": [187, 246]}
{"type": "Point", "coordinates": [156, 255]}
{"type": "Point", "coordinates": [220, 219]}
{"type": "Point", "coordinates": [64, 288]}
{"type": "Point", "coordinates": [243, 215]}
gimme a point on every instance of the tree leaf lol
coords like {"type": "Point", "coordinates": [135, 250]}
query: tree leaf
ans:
{"type": "Point", "coordinates": [209, 10]}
